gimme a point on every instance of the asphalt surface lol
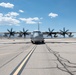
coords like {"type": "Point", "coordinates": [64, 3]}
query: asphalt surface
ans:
{"type": "Point", "coordinates": [55, 57]}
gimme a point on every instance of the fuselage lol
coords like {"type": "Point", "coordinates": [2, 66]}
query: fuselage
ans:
{"type": "Point", "coordinates": [37, 36]}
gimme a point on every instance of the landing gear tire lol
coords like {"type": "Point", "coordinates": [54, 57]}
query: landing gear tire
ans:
{"type": "Point", "coordinates": [32, 42]}
{"type": "Point", "coordinates": [42, 41]}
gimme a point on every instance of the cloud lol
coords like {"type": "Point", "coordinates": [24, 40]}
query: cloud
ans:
{"type": "Point", "coordinates": [30, 20]}
{"type": "Point", "coordinates": [5, 20]}
{"type": "Point", "coordinates": [6, 5]}
{"type": "Point", "coordinates": [11, 14]}
{"type": "Point", "coordinates": [21, 11]}
{"type": "Point", "coordinates": [53, 15]}
{"type": "Point", "coordinates": [1, 14]}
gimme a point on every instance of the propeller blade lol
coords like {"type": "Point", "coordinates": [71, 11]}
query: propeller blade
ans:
{"type": "Point", "coordinates": [64, 29]}
{"type": "Point", "coordinates": [67, 30]}
{"type": "Point", "coordinates": [23, 30]}
{"type": "Point", "coordinates": [52, 30]}
{"type": "Point", "coordinates": [26, 30]}
{"type": "Point", "coordinates": [61, 31]}
{"type": "Point", "coordinates": [49, 29]}
{"type": "Point", "coordinates": [11, 29]}
{"type": "Point", "coordinates": [8, 30]}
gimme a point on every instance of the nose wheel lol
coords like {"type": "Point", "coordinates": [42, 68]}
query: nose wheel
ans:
{"type": "Point", "coordinates": [32, 42]}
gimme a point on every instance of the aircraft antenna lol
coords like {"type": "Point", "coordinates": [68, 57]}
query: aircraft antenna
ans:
{"type": "Point", "coordinates": [38, 26]}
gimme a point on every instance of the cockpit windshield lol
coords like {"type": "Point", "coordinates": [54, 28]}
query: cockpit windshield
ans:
{"type": "Point", "coordinates": [36, 33]}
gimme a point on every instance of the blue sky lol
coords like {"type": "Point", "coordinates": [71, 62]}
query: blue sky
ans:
{"type": "Point", "coordinates": [53, 14]}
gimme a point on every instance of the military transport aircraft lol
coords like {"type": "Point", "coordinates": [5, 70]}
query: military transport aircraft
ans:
{"type": "Point", "coordinates": [37, 35]}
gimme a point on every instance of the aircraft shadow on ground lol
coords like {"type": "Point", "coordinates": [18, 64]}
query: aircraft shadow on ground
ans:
{"type": "Point", "coordinates": [16, 43]}
{"type": "Point", "coordinates": [39, 43]}
{"type": "Point", "coordinates": [61, 42]}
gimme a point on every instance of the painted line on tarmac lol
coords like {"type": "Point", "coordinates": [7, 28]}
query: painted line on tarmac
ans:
{"type": "Point", "coordinates": [23, 62]}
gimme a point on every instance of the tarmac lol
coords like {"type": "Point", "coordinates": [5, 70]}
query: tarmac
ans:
{"type": "Point", "coordinates": [54, 57]}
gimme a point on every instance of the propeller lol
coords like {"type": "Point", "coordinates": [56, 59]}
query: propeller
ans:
{"type": "Point", "coordinates": [64, 32]}
{"type": "Point", "coordinates": [50, 32]}
{"type": "Point", "coordinates": [11, 32]}
{"type": "Point", "coordinates": [55, 35]}
{"type": "Point", "coordinates": [23, 33]}
{"type": "Point", "coordinates": [70, 34]}
{"type": "Point", "coordinates": [5, 35]}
